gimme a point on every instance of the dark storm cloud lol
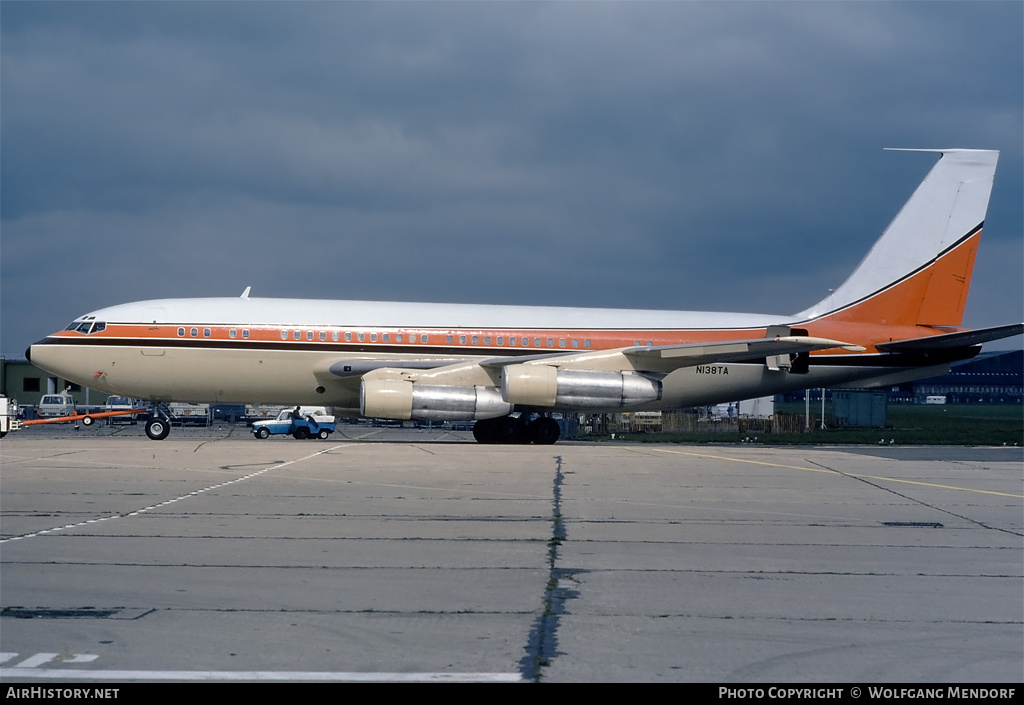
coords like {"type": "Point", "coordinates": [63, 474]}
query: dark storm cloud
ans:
{"type": "Point", "coordinates": [662, 155]}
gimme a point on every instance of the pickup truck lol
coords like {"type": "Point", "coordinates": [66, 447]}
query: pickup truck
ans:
{"type": "Point", "coordinates": [116, 403]}
{"type": "Point", "coordinates": [300, 423]}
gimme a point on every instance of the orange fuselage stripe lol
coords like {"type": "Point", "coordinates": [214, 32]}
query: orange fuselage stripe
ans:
{"type": "Point", "coordinates": [929, 302]}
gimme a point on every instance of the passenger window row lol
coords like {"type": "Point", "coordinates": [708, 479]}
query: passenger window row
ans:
{"type": "Point", "coordinates": [513, 341]}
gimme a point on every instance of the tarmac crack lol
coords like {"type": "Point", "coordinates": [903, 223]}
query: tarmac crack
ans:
{"type": "Point", "coordinates": [542, 645]}
{"type": "Point", "coordinates": [231, 430]}
{"type": "Point", "coordinates": [915, 500]}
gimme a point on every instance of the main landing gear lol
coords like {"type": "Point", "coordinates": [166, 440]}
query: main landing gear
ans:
{"type": "Point", "coordinates": [543, 430]}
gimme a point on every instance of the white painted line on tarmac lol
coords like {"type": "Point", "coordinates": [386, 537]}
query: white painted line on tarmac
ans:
{"type": "Point", "coordinates": [248, 676]}
{"type": "Point", "coordinates": [33, 661]}
{"type": "Point", "coordinates": [176, 499]}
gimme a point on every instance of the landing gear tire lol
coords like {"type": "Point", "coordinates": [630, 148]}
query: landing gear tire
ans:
{"type": "Point", "coordinates": [157, 429]}
{"type": "Point", "coordinates": [512, 430]}
{"type": "Point", "coordinates": [544, 431]}
{"type": "Point", "coordinates": [486, 430]}
{"type": "Point", "coordinates": [508, 430]}
{"type": "Point", "coordinates": [88, 421]}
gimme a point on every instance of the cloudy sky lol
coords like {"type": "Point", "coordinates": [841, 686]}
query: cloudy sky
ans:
{"type": "Point", "coordinates": [679, 155]}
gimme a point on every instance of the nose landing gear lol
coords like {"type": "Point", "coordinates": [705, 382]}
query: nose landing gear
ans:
{"type": "Point", "coordinates": [159, 425]}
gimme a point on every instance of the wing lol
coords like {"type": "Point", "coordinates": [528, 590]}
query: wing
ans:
{"type": "Point", "coordinates": [666, 358]}
{"type": "Point", "coordinates": [675, 356]}
{"type": "Point", "coordinates": [658, 359]}
{"type": "Point", "coordinates": [356, 367]}
{"type": "Point", "coordinates": [486, 387]}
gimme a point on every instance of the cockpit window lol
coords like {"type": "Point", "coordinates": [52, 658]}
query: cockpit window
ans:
{"type": "Point", "coordinates": [87, 327]}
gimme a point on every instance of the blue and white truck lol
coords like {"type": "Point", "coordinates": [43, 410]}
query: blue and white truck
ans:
{"type": "Point", "coordinates": [301, 422]}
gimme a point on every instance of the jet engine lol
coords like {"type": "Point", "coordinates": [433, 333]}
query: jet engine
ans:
{"type": "Point", "coordinates": [546, 386]}
{"type": "Point", "coordinates": [398, 399]}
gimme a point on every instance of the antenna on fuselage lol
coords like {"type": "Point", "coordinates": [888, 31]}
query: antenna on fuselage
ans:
{"type": "Point", "coordinates": [245, 294]}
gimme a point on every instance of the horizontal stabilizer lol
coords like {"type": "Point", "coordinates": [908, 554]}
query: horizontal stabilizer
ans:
{"type": "Point", "coordinates": [951, 341]}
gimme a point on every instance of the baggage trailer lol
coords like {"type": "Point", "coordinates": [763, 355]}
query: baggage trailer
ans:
{"type": "Point", "coordinates": [87, 419]}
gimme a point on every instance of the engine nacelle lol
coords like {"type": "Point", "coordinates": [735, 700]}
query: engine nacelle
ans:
{"type": "Point", "coordinates": [546, 386]}
{"type": "Point", "coordinates": [398, 399]}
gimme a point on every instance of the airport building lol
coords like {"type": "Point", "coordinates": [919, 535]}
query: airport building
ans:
{"type": "Point", "coordinates": [990, 378]}
{"type": "Point", "coordinates": [21, 380]}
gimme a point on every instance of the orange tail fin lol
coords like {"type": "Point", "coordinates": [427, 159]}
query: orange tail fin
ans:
{"type": "Point", "coordinates": [919, 272]}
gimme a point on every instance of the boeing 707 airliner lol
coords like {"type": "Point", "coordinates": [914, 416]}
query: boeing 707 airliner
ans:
{"type": "Point", "coordinates": [508, 368]}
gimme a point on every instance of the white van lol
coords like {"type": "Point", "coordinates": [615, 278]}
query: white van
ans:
{"type": "Point", "coordinates": [54, 405]}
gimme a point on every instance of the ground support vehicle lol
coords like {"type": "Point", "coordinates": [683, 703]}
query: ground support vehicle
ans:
{"type": "Point", "coordinates": [300, 424]}
{"type": "Point", "coordinates": [9, 420]}
{"type": "Point", "coordinates": [56, 405]}
{"type": "Point", "coordinates": [182, 414]}
{"type": "Point", "coordinates": [118, 403]}
{"type": "Point", "coordinates": [87, 419]}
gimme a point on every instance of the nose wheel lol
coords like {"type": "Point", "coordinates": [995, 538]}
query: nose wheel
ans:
{"type": "Point", "coordinates": [157, 429]}
{"type": "Point", "coordinates": [159, 426]}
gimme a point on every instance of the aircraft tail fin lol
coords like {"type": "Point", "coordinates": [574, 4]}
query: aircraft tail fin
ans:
{"type": "Point", "coordinates": [919, 272]}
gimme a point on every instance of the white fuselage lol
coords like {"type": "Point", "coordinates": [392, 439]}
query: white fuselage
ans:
{"type": "Point", "coordinates": [294, 351]}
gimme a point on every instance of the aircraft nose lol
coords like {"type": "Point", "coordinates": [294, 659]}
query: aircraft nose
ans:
{"type": "Point", "coordinates": [28, 350]}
